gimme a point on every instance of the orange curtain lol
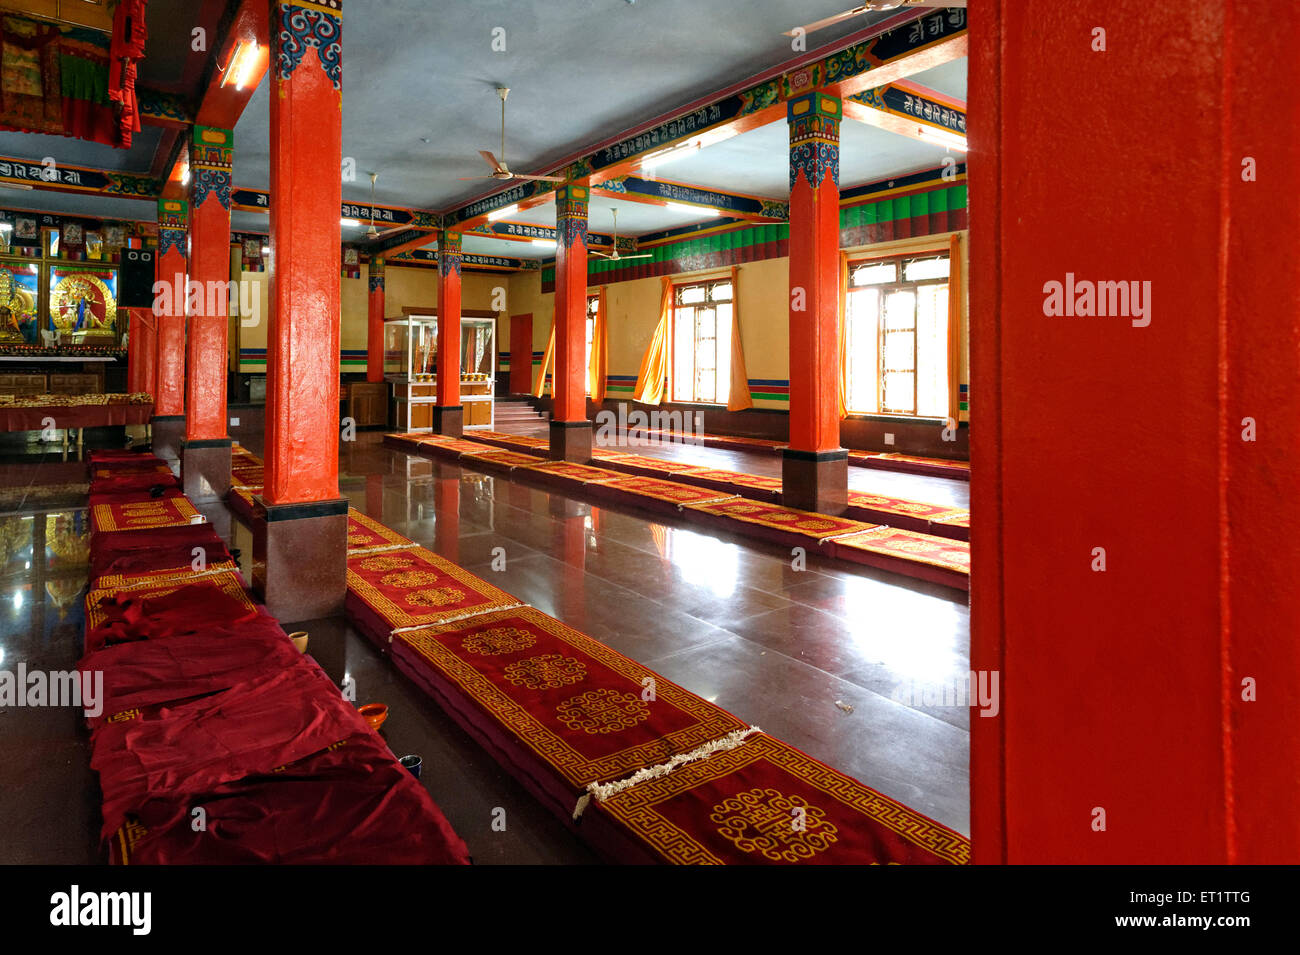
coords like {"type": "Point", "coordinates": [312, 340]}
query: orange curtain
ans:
{"type": "Point", "coordinates": [540, 388]}
{"type": "Point", "coordinates": [599, 366]}
{"type": "Point", "coordinates": [739, 397]}
{"type": "Point", "coordinates": [956, 297]}
{"type": "Point", "coordinates": [653, 374]}
{"type": "Point", "coordinates": [843, 333]}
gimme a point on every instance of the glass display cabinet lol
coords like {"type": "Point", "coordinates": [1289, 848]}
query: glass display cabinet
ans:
{"type": "Point", "coordinates": [411, 364]}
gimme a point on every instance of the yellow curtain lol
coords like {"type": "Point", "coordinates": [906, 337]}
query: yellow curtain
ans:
{"type": "Point", "coordinates": [599, 352]}
{"type": "Point", "coordinates": [540, 388]}
{"type": "Point", "coordinates": [843, 333]}
{"type": "Point", "coordinates": [956, 298]}
{"type": "Point", "coordinates": [739, 398]}
{"type": "Point", "coordinates": [653, 374]}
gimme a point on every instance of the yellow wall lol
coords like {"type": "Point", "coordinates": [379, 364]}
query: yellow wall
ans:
{"type": "Point", "coordinates": [403, 288]}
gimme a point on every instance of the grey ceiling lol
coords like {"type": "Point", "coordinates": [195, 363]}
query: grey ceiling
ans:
{"type": "Point", "coordinates": [580, 72]}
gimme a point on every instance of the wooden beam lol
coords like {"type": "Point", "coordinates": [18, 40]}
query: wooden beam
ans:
{"type": "Point", "coordinates": [911, 110]}
{"type": "Point", "coordinates": [242, 57]}
{"type": "Point", "coordinates": [662, 192]}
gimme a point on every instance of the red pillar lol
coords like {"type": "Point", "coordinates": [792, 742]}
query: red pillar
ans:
{"type": "Point", "coordinates": [570, 427]}
{"type": "Point", "coordinates": [300, 550]}
{"type": "Point", "coordinates": [814, 468]}
{"type": "Point", "coordinates": [170, 268]}
{"type": "Point", "coordinates": [1128, 690]}
{"type": "Point", "coordinates": [142, 361]}
{"type": "Point", "coordinates": [205, 460]}
{"type": "Point", "coordinates": [448, 415]}
{"type": "Point", "coordinates": [375, 321]}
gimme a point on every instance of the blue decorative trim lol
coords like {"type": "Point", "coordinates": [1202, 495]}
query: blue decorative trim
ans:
{"type": "Point", "coordinates": [815, 150]}
{"type": "Point", "coordinates": [376, 283]}
{"type": "Point", "coordinates": [448, 262]}
{"type": "Point", "coordinates": [300, 28]}
{"type": "Point", "coordinates": [571, 228]}
{"type": "Point", "coordinates": [207, 181]}
{"type": "Point", "coordinates": [172, 239]}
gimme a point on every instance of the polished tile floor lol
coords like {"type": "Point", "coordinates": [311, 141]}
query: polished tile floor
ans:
{"type": "Point", "coordinates": [819, 656]}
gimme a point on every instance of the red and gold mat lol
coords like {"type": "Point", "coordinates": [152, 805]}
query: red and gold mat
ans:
{"type": "Point", "coordinates": [241, 500]}
{"type": "Point", "coordinates": [951, 555]}
{"type": "Point", "coordinates": [137, 515]}
{"type": "Point", "coordinates": [661, 490]}
{"type": "Point", "coordinates": [414, 586]}
{"type": "Point", "coordinates": [514, 440]}
{"type": "Point", "coordinates": [365, 533]}
{"type": "Point", "coordinates": [912, 464]}
{"type": "Point", "coordinates": [757, 486]}
{"type": "Point", "coordinates": [582, 473]}
{"type": "Point", "coordinates": [182, 573]}
{"type": "Point", "coordinates": [121, 467]}
{"type": "Point", "coordinates": [248, 475]}
{"type": "Point", "coordinates": [766, 803]}
{"type": "Point", "coordinates": [786, 521]}
{"type": "Point", "coordinates": [659, 465]}
{"type": "Point", "coordinates": [578, 707]}
{"type": "Point", "coordinates": [609, 455]}
{"type": "Point", "coordinates": [500, 458]}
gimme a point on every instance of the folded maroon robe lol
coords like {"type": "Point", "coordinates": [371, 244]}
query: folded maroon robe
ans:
{"type": "Point", "coordinates": [155, 672]}
{"type": "Point", "coordinates": [156, 547]}
{"type": "Point", "coordinates": [175, 752]}
{"type": "Point", "coordinates": [351, 804]}
{"type": "Point", "coordinates": [167, 610]}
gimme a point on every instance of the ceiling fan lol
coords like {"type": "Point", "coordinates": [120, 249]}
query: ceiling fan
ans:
{"type": "Point", "coordinates": [499, 168]}
{"type": "Point", "coordinates": [872, 6]}
{"type": "Point", "coordinates": [614, 256]}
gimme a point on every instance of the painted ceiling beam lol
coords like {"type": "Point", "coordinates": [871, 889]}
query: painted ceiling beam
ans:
{"type": "Point", "coordinates": [662, 192]}
{"type": "Point", "coordinates": [241, 58]}
{"type": "Point", "coordinates": [911, 110]}
{"type": "Point", "coordinates": [160, 108]}
{"type": "Point", "coordinates": [889, 52]}
{"type": "Point", "coordinates": [83, 179]}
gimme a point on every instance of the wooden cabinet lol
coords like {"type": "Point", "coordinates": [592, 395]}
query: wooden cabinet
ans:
{"type": "Point", "coordinates": [368, 403]}
{"type": "Point", "coordinates": [81, 383]}
{"type": "Point", "coordinates": [26, 384]}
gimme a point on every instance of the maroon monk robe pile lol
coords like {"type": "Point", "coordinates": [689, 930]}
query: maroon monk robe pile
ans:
{"type": "Point", "coordinates": [206, 703]}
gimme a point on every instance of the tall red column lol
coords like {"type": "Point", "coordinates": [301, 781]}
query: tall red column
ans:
{"type": "Point", "coordinates": [375, 321]}
{"type": "Point", "coordinates": [205, 458]}
{"type": "Point", "coordinates": [1145, 633]}
{"type": "Point", "coordinates": [142, 362]}
{"type": "Point", "coordinates": [814, 468]}
{"type": "Point", "coordinates": [448, 415]}
{"type": "Point", "coordinates": [170, 268]}
{"type": "Point", "coordinates": [570, 427]}
{"type": "Point", "coordinates": [300, 550]}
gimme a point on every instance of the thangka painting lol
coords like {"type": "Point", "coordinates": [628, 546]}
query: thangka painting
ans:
{"type": "Point", "coordinates": [82, 300]}
{"type": "Point", "coordinates": [19, 295]}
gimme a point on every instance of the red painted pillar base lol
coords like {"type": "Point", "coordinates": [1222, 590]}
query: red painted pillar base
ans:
{"type": "Point", "coordinates": [570, 431]}
{"type": "Point", "coordinates": [300, 546]}
{"type": "Point", "coordinates": [814, 469]}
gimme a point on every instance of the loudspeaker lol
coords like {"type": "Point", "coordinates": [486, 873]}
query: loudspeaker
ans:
{"type": "Point", "coordinates": [135, 284]}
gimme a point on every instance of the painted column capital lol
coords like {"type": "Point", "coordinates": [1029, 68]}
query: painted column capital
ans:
{"type": "Point", "coordinates": [571, 214]}
{"type": "Point", "coordinates": [211, 161]}
{"type": "Point", "coordinates": [375, 273]}
{"type": "Point", "coordinates": [814, 121]}
{"type": "Point", "coordinates": [449, 254]}
{"type": "Point", "coordinates": [299, 24]}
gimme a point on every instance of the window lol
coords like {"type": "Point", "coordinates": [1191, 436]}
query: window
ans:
{"type": "Point", "coordinates": [701, 355]}
{"type": "Point", "coordinates": [593, 306]}
{"type": "Point", "coordinates": [896, 328]}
